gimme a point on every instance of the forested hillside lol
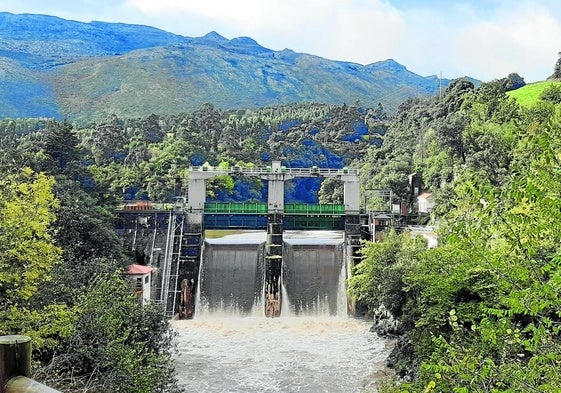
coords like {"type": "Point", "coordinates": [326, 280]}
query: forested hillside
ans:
{"type": "Point", "coordinates": [480, 312]}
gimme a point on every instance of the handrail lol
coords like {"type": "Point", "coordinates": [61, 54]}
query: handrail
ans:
{"type": "Point", "coordinates": [313, 171]}
{"type": "Point", "coordinates": [261, 208]}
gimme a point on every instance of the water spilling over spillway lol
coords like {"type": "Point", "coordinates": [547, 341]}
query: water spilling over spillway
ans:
{"type": "Point", "coordinates": [230, 346]}
{"type": "Point", "coordinates": [231, 276]}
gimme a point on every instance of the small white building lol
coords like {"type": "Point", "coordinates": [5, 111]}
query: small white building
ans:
{"type": "Point", "coordinates": [141, 276]}
{"type": "Point", "coordinates": [425, 202]}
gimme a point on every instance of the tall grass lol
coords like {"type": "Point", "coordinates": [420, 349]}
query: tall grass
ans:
{"type": "Point", "coordinates": [530, 94]}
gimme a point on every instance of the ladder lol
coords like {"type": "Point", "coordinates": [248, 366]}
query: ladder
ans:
{"type": "Point", "coordinates": [181, 262]}
{"type": "Point", "coordinates": [170, 277]}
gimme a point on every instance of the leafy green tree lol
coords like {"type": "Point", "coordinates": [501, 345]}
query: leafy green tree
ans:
{"type": "Point", "coordinates": [106, 140]}
{"type": "Point", "coordinates": [28, 255]}
{"type": "Point", "coordinates": [117, 345]}
{"type": "Point", "coordinates": [331, 191]}
{"type": "Point", "coordinates": [557, 69]}
{"type": "Point", "coordinates": [377, 279]}
{"type": "Point", "coordinates": [552, 94]}
{"type": "Point", "coordinates": [27, 252]}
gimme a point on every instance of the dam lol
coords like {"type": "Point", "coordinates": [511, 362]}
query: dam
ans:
{"type": "Point", "coordinates": [267, 275]}
{"type": "Point", "coordinates": [256, 291]}
{"type": "Point", "coordinates": [231, 275]}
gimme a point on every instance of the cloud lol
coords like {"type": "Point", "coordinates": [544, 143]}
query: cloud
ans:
{"type": "Point", "coordinates": [522, 39]}
{"type": "Point", "coordinates": [354, 30]}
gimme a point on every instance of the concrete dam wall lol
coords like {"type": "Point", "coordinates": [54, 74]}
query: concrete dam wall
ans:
{"type": "Point", "coordinates": [230, 279]}
{"type": "Point", "coordinates": [313, 274]}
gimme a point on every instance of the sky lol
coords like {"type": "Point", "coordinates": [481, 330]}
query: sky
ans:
{"type": "Point", "coordinates": [484, 39]}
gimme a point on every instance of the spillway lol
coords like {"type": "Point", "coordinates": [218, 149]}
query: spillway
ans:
{"type": "Point", "coordinates": [314, 273]}
{"type": "Point", "coordinates": [231, 276]}
{"type": "Point", "coordinates": [230, 346]}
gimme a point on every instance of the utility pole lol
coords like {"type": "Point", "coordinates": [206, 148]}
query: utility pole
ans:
{"type": "Point", "coordinates": [440, 87]}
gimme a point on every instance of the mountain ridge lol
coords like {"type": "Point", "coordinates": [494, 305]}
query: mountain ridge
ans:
{"type": "Point", "coordinates": [84, 71]}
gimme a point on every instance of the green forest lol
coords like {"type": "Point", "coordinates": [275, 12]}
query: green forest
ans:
{"type": "Point", "coordinates": [480, 312]}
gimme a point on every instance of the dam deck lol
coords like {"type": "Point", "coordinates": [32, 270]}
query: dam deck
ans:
{"type": "Point", "coordinates": [232, 215]}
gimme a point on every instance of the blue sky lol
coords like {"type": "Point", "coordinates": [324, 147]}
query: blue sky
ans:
{"type": "Point", "coordinates": [485, 39]}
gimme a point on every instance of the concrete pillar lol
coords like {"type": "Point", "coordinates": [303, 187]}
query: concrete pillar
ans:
{"type": "Point", "coordinates": [196, 195]}
{"type": "Point", "coordinates": [351, 195]}
{"type": "Point", "coordinates": [273, 266]}
{"type": "Point", "coordinates": [275, 188]}
{"type": "Point", "coordinates": [275, 202]}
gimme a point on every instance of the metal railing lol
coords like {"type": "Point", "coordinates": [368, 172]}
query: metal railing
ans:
{"type": "Point", "coordinates": [255, 171]}
{"type": "Point", "coordinates": [261, 208]}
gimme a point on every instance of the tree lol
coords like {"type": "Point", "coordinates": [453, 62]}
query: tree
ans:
{"type": "Point", "coordinates": [116, 345]}
{"type": "Point", "coordinates": [377, 279]}
{"type": "Point", "coordinates": [557, 69]}
{"type": "Point", "coordinates": [552, 94]}
{"type": "Point", "coordinates": [27, 252]}
{"type": "Point", "coordinates": [27, 257]}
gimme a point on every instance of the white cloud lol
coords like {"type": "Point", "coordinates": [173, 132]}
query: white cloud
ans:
{"type": "Point", "coordinates": [522, 39]}
{"type": "Point", "coordinates": [356, 30]}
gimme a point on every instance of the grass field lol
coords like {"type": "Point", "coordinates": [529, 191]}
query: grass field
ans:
{"type": "Point", "coordinates": [530, 94]}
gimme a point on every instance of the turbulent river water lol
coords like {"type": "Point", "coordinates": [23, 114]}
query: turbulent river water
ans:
{"type": "Point", "coordinates": [310, 350]}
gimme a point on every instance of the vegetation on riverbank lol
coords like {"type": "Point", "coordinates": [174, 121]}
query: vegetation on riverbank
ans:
{"type": "Point", "coordinates": [481, 311]}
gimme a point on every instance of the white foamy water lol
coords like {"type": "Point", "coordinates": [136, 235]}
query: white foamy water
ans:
{"type": "Point", "coordinates": [312, 348]}
{"type": "Point", "coordinates": [287, 354]}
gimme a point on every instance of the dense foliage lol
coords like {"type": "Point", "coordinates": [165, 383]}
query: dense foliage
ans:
{"type": "Point", "coordinates": [59, 253]}
{"type": "Point", "coordinates": [480, 312]}
{"type": "Point", "coordinates": [150, 157]}
{"type": "Point", "coordinates": [60, 263]}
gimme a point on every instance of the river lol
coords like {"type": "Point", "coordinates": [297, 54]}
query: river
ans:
{"type": "Point", "coordinates": [294, 354]}
{"type": "Point", "coordinates": [308, 352]}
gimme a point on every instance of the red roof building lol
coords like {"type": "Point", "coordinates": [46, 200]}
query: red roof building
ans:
{"type": "Point", "coordinates": [139, 269]}
{"type": "Point", "coordinates": [141, 276]}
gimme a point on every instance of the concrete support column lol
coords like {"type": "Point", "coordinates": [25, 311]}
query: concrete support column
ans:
{"type": "Point", "coordinates": [275, 201]}
{"type": "Point", "coordinates": [196, 195]}
{"type": "Point", "coordinates": [351, 195]}
{"type": "Point", "coordinates": [273, 266]}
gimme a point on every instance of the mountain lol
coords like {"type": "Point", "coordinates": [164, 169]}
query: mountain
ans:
{"type": "Point", "coordinates": [52, 67]}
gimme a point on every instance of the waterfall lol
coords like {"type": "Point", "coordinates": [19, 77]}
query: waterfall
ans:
{"type": "Point", "coordinates": [230, 278]}
{"type": "Point", "coordinates": [314, 273]}
{"type": "Point", "coordinates": [231, 275]}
